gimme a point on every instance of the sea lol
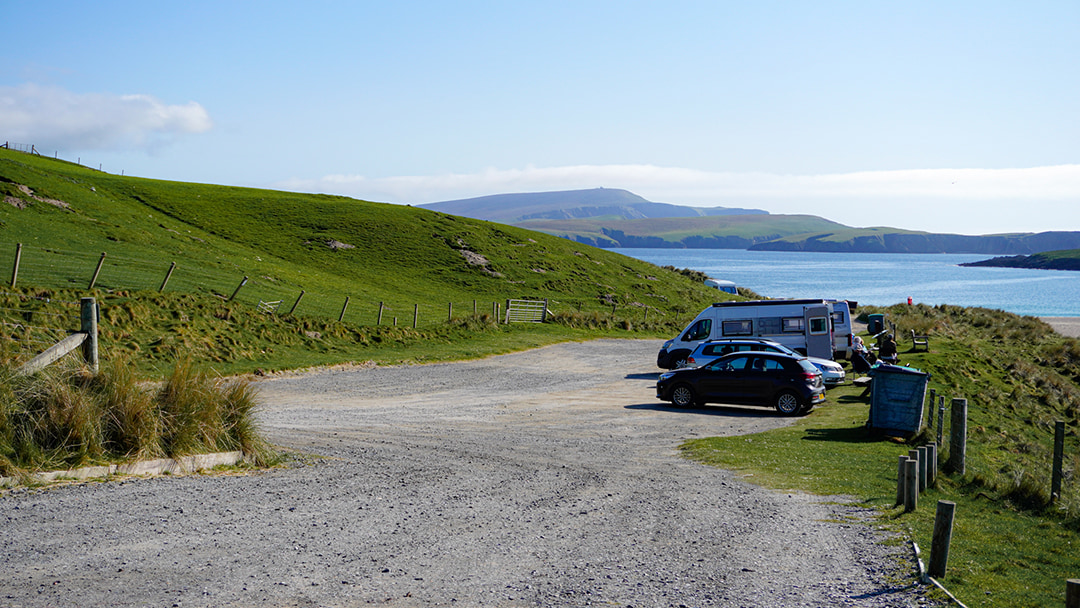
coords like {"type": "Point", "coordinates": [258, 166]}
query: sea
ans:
{"type": "Point", "coordinates": [882, 278]}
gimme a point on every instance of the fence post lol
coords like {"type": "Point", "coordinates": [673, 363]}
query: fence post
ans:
{"type": "Point", "coordinates": [911, 485]}
{"type": "Point", "coordinates": [1059, 456]}
{"type": "Point", "coordinates": [297, 302]}
{"type": "Point", "coordinates": [242, 283]}
{"type": "Point", "coordinates": [450, 313]}
{"type": "Point", "coordinates": [939, 546]}
{"type": "Point", "coordinates": [543, 316]}
{"type": "Point", "coordinates": [415, 314]}
{"type": "Point", "coordinates": [88, 322]}
{"type": "Point", "coordinates": [495, 311]}
{"type": "Point", "coordinates": [924, 468]}
{"type": "Point", "coordinates": [958, 436]}
{"type": "Point", "coordinates": [508, 311]}
{"type": "Point", "coordinates": [474, 308]}
{"type": "Point", "coordinates": [931, 464]}
{"type": "Point", "coordinates": [168, 275]}
{"type": "Point", "coordinates": [1072, 593]}
{"type": "Point", "coordinates": [941, 420]}
{"type": "Point", "coordinates": [15, 269]}
{"type": "Point", "coordinates": [97, 271]}
{"type": "Point", "coordinates": [379, 320]}
{"type": "Point", "coordinates": [900, 472]}
{"type": "Point", "coordinates": [343, 309]}
{"type": "Point", "coordinates": [933, 402]}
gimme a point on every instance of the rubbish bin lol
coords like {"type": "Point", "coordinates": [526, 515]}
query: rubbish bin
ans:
{"type": "Point", "coordinates": [875, 323]}
{"type": "Point", "coordinates": [896, 398]}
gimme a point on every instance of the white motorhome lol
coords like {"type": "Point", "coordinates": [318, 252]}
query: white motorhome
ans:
{"type": "Point", "coordinates": [841, 325]}
{"type": "Point", "coordinates": [802, 325]}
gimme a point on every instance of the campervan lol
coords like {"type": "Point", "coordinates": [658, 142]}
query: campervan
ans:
{"type": "Point", "coordinates": [805, 326]}
{"type": "Point", "coordinates": [842, 329]}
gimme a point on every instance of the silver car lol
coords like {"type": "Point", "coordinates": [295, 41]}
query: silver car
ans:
{"type": "Point", "coordinates": [832, 373]}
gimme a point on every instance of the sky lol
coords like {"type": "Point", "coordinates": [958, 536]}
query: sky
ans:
{"type": "Point", "coordinates": [958, 117]}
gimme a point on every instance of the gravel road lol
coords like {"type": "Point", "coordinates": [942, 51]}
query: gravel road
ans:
{"type": "Point", "coordinates": [544, 478]}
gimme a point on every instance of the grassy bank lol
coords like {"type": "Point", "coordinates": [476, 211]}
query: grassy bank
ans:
{"type": "Point", "coordinates": [1011, 545]}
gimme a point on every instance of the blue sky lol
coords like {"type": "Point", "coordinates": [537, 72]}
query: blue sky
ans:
{"type": "Point", "coordinates": [941, 116]}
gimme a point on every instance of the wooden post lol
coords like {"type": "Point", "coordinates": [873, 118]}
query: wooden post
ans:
{"type": "Point", "coordinates": [97, 271]}
{"type": "Point", "coordinates": [543, 315]}
{"type": "Point", "coordinates": [242, 283]}
{"type": "Point", "coordinates": [495, 311]}
{"type": "Point", "coordinates": [15, 269]}
{"type": "Point", "coordinates": [297, 302]}
{"type": "Point", "coordinates": [914, 454]}
{"type": "Point", "coordinates": [88, 321]}
{"type": "Point", "coordinates": [924, 467]}
{"type": "Point", "coordinates": [1059, 456]}
{"type": "Point", "coordinates": [939, 545]}
{"type": "Point", "coordinates": [474, 308]}
{"type": "Point", "coordinates": [415, 314]}
{"type": "Point", "coordinates": [931, 464]}
{"type": "Point", "coordinates": [941, 420]}
{"type": "Point", "coordinates": [168, 275]}
{"type": "Point", "coordinates": [1072, 593]}
{"type": "Point", "coordinates": [958, 436]}
{"type": "Point", "coordinates": [900, 472]}
{"type": "Point", "coordinates": [508, 311]}
{"type": "Point", "coordinates": [450, 313]}
{"type": "Point", "coordinates": [379, 320]}
{"type": "Point", "coordinates": [933, 403]}
{"type": "Point", "coordinates": [341, 317]}
{"type": "Point", "coordinates": [911, 485]}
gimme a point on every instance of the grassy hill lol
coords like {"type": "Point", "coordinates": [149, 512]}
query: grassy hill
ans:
{"type": "Point", "coordinates": [600, 203]}
{"type": "Point", "coordinates": [893, 240]}
{"type": "Point", "coordinates": [329, 248]}
{"type": "Point", "coordinates": [723, 232]}
{"type": "Point", "coordinates": [1068, 259]}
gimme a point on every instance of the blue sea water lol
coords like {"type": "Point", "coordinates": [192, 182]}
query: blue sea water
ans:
{"type": "Point", "coordinates": [882, 278]}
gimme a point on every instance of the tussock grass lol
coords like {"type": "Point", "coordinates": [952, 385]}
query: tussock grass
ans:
{"type": "Point", "coordinates": [64, 417]}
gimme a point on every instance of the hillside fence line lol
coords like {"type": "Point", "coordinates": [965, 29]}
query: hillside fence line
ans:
{"type": "Point", "coordinates": [36, 323]}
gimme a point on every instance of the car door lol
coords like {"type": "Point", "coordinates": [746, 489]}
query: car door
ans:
{"type": "Point", "coordinates": [759, 380]}
{"type": "Point", "coordinates": [725, 380]}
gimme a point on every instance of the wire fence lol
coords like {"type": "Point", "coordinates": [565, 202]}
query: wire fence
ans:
{"type": "Point", "coordinates": [32, 323]}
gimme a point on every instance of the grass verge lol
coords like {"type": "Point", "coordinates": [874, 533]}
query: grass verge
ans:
{"type": "Point", "coordinates": [1011, 546]}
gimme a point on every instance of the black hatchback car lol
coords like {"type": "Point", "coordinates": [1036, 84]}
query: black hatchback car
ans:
{"type": "Point", "coordinates": [790, 384]}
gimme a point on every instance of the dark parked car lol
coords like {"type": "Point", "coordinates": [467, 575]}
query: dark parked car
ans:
{"type": "Point", "coordinates": [832, 373]}
{"type": "Point", "coordinates": [790, 384]}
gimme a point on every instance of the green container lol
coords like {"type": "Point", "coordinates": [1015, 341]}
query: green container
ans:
{"type": "Point", "coordinates": [896, 398]}
{"type": "Point", "coordinates": [875, 323]}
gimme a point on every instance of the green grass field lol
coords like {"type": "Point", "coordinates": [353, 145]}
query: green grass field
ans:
{"type": "Point", "coordinates": [1011, 545]}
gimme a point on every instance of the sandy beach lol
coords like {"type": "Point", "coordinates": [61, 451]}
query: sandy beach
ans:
{"type": "Point", "coordinates": [1066, 326]}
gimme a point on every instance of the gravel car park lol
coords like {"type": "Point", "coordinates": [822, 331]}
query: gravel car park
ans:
{"type": "Point", "coordinates": [546, 478]}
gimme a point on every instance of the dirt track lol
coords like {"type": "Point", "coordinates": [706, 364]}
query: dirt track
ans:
{"type": "Point", "coordinates": [546, 478]}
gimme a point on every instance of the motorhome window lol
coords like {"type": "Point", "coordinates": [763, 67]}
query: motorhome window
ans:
{"type": "Point", "coordinates": [838, 319]}
{"type": "Point", "coordinates": [738, 328]}
{"type": "Point", "coordinates": [819, 325]}
{"type": "Point", "coordinates": [769, 326]}
{"type": "Point", "coordinates": [698, 331]}
{"type": "Point", "coordinates": [794, 325]}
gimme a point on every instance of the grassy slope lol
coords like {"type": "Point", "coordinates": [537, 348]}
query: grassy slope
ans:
{"type": "Point", "coordinates": [400, 256]}
{"type": "Point", "coordinates": [754, 227]}
{"type": "Point", "coordinates": [399, 251]}
{"type": "Point", "coordinates": [1010, 547]}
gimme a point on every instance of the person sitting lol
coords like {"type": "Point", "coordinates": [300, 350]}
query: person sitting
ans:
{"type": "Point", "coordinates": [887, 349]}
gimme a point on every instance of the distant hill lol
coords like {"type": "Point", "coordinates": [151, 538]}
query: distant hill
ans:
{"type": "Point", "coordinates": [892, 240]}
{"type": "Point", "coordinates": [606, 203]}
{"type": "Point", "coordinates": [717, 232]}
{"type": "Point", "coordinates": [1050, 260]}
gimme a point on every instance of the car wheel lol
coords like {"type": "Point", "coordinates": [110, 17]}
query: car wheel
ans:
{"type": "Point", "coordinates": [682, 396]}
{"type": "Point", "coordinates": [788, 403]}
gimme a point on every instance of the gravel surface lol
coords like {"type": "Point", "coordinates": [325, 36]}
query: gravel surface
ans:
{"type": "Point", "coordinates": [544, 478]}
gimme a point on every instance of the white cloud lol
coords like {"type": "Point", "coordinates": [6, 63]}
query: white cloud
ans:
{"type": "Point", "coordinates": [51, 117]}
{"type": "Point", "coordinates": [968, 201]}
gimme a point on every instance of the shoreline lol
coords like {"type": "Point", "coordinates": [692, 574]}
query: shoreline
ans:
{"type": "Point", "coordinates": [1066, 326]}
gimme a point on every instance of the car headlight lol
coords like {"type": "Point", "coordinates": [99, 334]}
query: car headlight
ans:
{"type": "Point", "coordinates": [666, 375]}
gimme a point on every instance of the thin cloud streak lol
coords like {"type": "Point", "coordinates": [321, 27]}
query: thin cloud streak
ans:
{"type": "Point", "coordinates": [969, 201]}
{"type": "Point", "coordinates": [54, 117]}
